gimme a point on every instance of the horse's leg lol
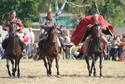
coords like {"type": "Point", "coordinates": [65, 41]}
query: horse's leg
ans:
{"type": "Point", "coordinates": [18, 71]}
{"type": "Point", "coordinates": [87, 62]}
{"type": "Point", "coordinates": [45, 64]}
{"type": "Point", "coordinates": [8, 67]}
{"type": "Point", "coordinates": [57, 66]}
{"type": "Point", "coordinates": [16, 63]}
{"type": "Point", "coordinates": [13, 69]}
{"type": "Point", "coordinates": [101, 65]}
{"type": "Point", "coordinates": [94, 66]}
{"type": "Point", "coordinates": [50, 65]}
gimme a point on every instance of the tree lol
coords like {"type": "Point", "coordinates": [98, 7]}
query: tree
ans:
{"type": "Point", "coordinates": [27, 10]}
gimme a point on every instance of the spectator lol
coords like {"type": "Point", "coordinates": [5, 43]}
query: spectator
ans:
{"type": "Point", "coordinates": [31, 41]}
{"type": "Point", "coordinates": [67, 42]}
{"type": "Point", "coordinates": [115, 46]}
{"type": "Point", "coordinates": [120, 49]}
{"type": "Point", "coordinates": [67, 37]}
{"type": "Point", "coordinates": [0, 42]}
{"type": "Point", "coordinates": [79, 54]}
{"type": "Point", "coordinates": [109, 39]}
{"type": "Point", "coordinates": [34, 51]}
{"type": "Point", "coordinates": [76, 55]}
{"type": "Point", "coordinates": [1, 53]}
{"type": "Point", "coordinates": [26, 40]}
{"type": "Point", "coordinates": [123, 42]}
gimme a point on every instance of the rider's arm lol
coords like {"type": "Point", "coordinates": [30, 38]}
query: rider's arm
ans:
{"type": "Point", "coordinates": [104, 27]}
{"type": "Point", "coordinates": [5, 28]}
{"type": "Point", "coordinates": [20, 24]}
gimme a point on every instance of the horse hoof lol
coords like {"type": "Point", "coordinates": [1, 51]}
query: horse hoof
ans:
{"type": "Point", "coordinates": [18, 75]}
{"type": "Point", "coordinates": [89, 74]}
{"type": "Point", "coordinates": [101, 76]}
{"type": "Point", "coordinates": [94, 74]}
{"type": "Point", "coordinates": [58, 76]}
{"type": "Point", "coordinates": [9, 74]}
{"type": "Point", "coordinates": [13, 74]}
{"type": "Point", "coordinates": [48, 75]}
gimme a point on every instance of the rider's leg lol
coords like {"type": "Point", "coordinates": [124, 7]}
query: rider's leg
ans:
{"type": "Point", "coordinates": [106, 42]}
{"type": "Point", "coordinates": [5, 43]}
{"type": "Point", "coordinates": [41, 44]}
{"type": "Point", "coordinates": [22, 44]}
{"type": "Point", "coordinates": [86, 44]}
{"type": "Point", "coordinates": [59, 44]}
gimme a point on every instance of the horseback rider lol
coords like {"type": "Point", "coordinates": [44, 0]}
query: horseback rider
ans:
{"type": "Point", "coordinates": [85, 26]}
{"type": "Point", "coordinates": [19, 28]}
{"type": "Point", "coordinates": [95, 17]}
{"type": "Point", "coordinates": [48, 23]}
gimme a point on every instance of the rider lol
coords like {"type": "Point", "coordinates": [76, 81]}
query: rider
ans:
{"type": "Point", "coordinates": [82, 33]}
{"type": "Point", "coordinates": [95, 17]}
{"type": "Point", "coordinates": [5, 28]}
{"type": "Point", "coordinates": [48, 23]}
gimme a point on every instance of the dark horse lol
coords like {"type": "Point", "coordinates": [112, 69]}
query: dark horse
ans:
{"type": "Point", "coordinates": [51, 51]}
{"type": "Point", "coordinates": [96, 50]}
{"type": "Point", "coordinates": [13, 50]}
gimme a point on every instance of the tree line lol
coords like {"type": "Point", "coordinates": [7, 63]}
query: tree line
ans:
{"type": "Point", "coordinates": [28, 10]}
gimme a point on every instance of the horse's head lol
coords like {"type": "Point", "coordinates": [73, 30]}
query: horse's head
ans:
{"type": "Point", "coordinates": [53, 35]}
{"type": "Point", "coordinates": [97, 30]}
{"type": "Point", "coordinates": [12, 27]}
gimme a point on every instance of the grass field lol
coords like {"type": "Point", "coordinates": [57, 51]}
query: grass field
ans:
{"type": "Point", "coordinates": [71, 71]}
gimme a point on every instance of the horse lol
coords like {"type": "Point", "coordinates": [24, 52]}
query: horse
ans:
{"type": "Point", "coordinates": [51, 51]}
{"type": "Point", "coordinates": [13, 50]}
{"type": "Point", "coordinates": [96, 49]}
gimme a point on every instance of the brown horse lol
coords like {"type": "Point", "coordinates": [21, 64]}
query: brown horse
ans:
{"type": "Point", "coordinates": [97, 48]}
{"type": "Point", "coordinates": [13, 50]}
{"type": "Point", "coordinates": [51, 51]}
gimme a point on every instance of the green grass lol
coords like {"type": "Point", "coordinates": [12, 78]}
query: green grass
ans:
{"type": "Point", "coordinates": [71, 71]}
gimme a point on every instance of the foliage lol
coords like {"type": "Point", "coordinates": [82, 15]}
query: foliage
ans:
{"type": "Point", "coordinates": [26, 10]}
{"type": "Point", "coordinates": [112, 10]}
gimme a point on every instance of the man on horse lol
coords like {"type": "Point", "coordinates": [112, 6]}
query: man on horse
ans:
{"type": "Point", "coordinates": [48, 23]}
{"type": "Point", "coordinates": [82, 31]}
{"type": "Point", "coordinates": [6, 28]}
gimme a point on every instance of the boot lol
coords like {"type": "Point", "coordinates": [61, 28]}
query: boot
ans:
{"type": "Point", "coordinates": [64, 49]}
{"type": "Point", "coordinates": [105, 53]}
